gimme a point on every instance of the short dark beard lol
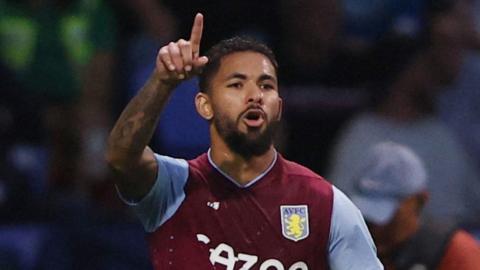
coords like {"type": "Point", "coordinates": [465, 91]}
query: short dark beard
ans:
{"type": "Point", "coordinates": [258, 143]}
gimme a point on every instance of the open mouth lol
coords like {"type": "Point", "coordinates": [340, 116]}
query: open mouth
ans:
{"type": "Point", "coordinates": [254, 118]}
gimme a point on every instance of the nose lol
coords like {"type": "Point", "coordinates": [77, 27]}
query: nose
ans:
{"type": "Point", "coordinates": [255, 95]}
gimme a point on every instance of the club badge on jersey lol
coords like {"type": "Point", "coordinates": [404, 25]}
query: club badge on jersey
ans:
{"type": "Point", "coordinates": [294, 222]}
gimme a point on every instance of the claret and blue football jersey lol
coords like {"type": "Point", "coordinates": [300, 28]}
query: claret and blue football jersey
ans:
{"type": "Point", "coordinates": [197, 217]}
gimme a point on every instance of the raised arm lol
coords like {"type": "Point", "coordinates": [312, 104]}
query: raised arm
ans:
{"type": "Point", "coordinates": [127, 153]}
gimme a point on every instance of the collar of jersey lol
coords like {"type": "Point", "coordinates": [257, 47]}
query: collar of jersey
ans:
{"type": "Point", "coordinates": [256, 179]}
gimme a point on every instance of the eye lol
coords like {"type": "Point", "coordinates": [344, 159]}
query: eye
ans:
{"type": "Point", "coordinates": [236, 85]}
{"type": "Point", "coordinates": [267, 86]}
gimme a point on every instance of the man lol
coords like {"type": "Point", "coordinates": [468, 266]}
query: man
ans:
{"type": "Point", "coordinates": [391, 190]}
{"type": "Point", "coordinates": [241, 205]}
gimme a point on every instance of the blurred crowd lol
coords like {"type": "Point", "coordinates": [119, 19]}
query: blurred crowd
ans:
{"type": "Point", "coordinates": [352, 73]}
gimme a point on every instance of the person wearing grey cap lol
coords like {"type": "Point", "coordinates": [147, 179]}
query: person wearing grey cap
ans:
{"type": "Point", "coordinates": [412, 70]}
{"type": "Point", "coordinates": [390, 189]}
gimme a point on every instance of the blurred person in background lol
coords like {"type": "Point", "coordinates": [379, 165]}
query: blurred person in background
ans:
{"type": "Point", "coordinates": [58, 54]}
{"type": "Point", "coordinates": [459, 104]}
{"type": "Point", "coordinates": [61, 53]}
{"type": "Point", "coordinates": [412, 68]}
{"type": "Point", "coordinates": [391, 190]}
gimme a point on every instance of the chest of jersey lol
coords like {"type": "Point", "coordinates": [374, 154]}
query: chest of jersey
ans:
{"type": "Point", "coordinates": [280, 222]}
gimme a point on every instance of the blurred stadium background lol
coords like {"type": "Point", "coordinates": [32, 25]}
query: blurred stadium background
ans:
{"type": "Point", "coordinates": [69, 66]}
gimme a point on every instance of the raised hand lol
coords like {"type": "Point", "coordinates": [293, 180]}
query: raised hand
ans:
{"type": "Point", "coordinates": [180, 60]}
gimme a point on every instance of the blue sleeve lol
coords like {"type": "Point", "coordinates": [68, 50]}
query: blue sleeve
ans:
{"type": "Point", "coordinates": [350, 244]}
{"type": "Point", "coordinates": [166, 194]}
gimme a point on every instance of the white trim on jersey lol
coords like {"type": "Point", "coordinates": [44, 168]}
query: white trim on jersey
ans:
{"type": "Point", "coordinates": [256, 179]}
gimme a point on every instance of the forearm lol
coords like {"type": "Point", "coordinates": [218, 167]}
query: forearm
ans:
{"type": "Point", "coordinates": [135, 126]}
{"type": "Point", "coordinates": [133, 163]}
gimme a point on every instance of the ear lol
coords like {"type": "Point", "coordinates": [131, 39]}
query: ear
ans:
{"type": "Point", "coordinates": [280, 108]}
{"type": "Point", "coordinates": [422, 198]}
{"type": "Point", "coordinates": [204, 106]}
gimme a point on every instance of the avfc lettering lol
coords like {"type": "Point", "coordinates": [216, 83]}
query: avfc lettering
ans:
{"type": "Point", "coordinates": [294, 222]}
{"type": "Point", "coordinates": [225, 255]}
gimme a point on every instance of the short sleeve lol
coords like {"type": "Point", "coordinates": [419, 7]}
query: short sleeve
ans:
{"type": "Point", "coordinates": [166, 194]}
{"type": "Point", "coordinates": [350, 245]}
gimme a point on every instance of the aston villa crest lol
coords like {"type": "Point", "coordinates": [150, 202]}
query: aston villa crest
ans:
{"type": "Point", "coordinates": [294, 221]}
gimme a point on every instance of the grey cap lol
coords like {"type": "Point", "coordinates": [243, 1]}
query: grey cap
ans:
{"type": "Point", "coordinates": [392, 173]}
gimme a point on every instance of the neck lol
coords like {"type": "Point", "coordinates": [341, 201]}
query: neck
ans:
{"type": "Point", "coordinates": [240, 169]}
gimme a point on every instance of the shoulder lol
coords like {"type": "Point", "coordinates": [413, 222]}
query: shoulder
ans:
{"type": "Point", "coordinates": [466, 241]}
{"type": "Point", "coordinates": [199, 162]}
{"type": "Point", "coordinates": [304, 176]}
{"type": "Point", "coordinates": [169, 166]}
{"type": "Point", "coordinates": [199, 167]}
{"type": "Point", "coordinates": [463, 252]}
{"type": "Point", "coordinates": [345, 213]}
{"type": "Point", "coordinates": [294, 169]}
{"type": "Point", "coordinates": [347, 220]}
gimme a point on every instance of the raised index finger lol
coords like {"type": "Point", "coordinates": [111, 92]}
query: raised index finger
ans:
{"type": "Point", "coordinates": [196, 35]}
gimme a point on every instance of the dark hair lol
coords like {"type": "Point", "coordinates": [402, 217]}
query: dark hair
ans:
{"type": "Point", "coordinates": [227, 47]}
